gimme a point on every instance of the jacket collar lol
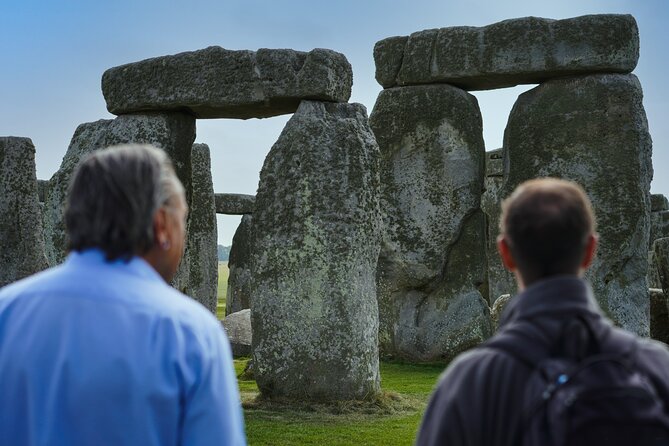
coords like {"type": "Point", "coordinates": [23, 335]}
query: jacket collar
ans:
{"type": "Point", "coordinates": [562, 294]}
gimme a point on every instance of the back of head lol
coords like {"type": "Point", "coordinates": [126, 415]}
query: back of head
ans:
{"type": "Point", "coordinates": [113, 197]}
{"type": "Point", "coordinates": [547, 224]}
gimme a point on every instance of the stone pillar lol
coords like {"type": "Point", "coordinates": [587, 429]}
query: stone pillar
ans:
{"type": "Point", "coordinates": [239, 280]}
{"type": "Point", "coordinates": [21, 237]}
{"type": "Point", "coordinates": [432, 264]}
{"type": "Point", "coordinates": [202, 232]}
{"type": "Point", "coordinates": [172, 131]}
{"type": "Point", "coordinates": [316, 228]}
{"type": "Point", "coordinates": [500, 280]}
{"type": "Point", "coordinates": [593, 130]}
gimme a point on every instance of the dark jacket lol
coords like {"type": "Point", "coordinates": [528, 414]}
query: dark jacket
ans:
{"type": "Point", "coordinates": [478, 400]}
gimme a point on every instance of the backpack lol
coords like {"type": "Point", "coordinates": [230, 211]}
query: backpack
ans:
{"type": "Point", "coordinates": [598, 397]}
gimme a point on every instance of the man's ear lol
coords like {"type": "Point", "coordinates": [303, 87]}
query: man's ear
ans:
{"type": "Point", "coordinates": [505, 253]}
{"type": "Point", "coordinates": [590, 250]}
{"type": "Point", "coordinates": [160, 235]}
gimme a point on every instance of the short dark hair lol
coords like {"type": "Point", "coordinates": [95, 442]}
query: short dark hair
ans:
{"type": "Point", "coordinates": [113, 197]}
{"type": "Point", "coordinates": [546, 223]}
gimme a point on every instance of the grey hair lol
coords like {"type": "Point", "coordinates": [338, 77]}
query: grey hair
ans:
{"type": "Point", "coordinates": [114, 196]}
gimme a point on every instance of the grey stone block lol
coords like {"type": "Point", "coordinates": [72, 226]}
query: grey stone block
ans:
{"type": "Point", "coordinates": [21, 237]}
{"type": "Point", "coordinates": [517, 51]}
{"type": "Point", "coordinates": [235, 204]}
{"type": "Point", "coordinates": [658, 202]}
{"type": "Point", "coordinates": [565, 128]}
{"type": "Point", "coordinates": [316, 241]}
{"type": "Point", "coordinates": [219, 83]}
{"type": "Point", "coordinates": [431, 268]}
{"type": "Point", "coordinates": [238, 328]}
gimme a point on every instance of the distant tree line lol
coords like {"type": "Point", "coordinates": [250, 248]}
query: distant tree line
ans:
{"type": "Point", "coordinates": [223, 253]}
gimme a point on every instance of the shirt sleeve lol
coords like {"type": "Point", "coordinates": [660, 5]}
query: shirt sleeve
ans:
{"type": "Point", "coordinates": [212, 407]}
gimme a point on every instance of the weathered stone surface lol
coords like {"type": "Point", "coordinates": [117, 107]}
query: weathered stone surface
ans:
{"type": "Point", "coordinates": [316, 240]}
{"type": "Point", "coordinates": [21, 238]}
{"type": "Point", "coordinates": [235, 204]}
{"type": "Point", "coordinates": [432, 262]}
{"type": "Point", "coordinates": [658, 202]}
{"type": "Point", "coordinates": [500, 280]}
{"type": "Point", "coordinates": [219, 83]}
{"type": "Point", "coordinates": [202, 231]}
{"type": "Point", "coordinates": [659, 225]}
{"type": "Point", "coordinates": [498, 308]}
{"type": "Point", "coordinates": [659, 316]}
{"type": "Point", "coordinates": [238, 328]}
{"type": "Point", "coordinates": [239, 280]}
{"type": "Point", "coordinates": [518, 51]}
{"type": "Point", "coordinates": [593, 130]}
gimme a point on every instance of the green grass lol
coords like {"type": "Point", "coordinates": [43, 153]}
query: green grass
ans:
{"type": "Point", "coordinates": [223, 273]}
{"type": "Point", "coordinates": [406, 390]}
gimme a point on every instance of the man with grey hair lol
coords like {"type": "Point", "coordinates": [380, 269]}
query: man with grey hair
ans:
{"type": "Point", "coordinates": [101, 350]}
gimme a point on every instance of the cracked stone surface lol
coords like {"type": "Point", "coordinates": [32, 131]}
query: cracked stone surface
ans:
{"type": "Point", "coordinates": [431, 268]}
{"type": "Point", "coordinates": [593, 130]}
{"type": "Point", "coordinates": [218, 83]}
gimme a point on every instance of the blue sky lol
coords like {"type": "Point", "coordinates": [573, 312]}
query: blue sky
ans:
{"type": "Point", "coordinates": [54, 54]}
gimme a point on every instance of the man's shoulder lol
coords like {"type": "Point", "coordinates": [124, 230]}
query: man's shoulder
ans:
{"type": "Point", "coordinates": [478, 364]}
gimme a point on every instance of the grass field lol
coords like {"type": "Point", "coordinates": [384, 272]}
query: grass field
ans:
{"type": "Point", "coordinates": [408, 385]}
{"type": "Point", "coordinates": [394, 420]}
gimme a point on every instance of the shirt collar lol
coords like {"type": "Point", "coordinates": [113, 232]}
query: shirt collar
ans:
{"type": "Point", "coordinates": [554, 295]}
{"type": "Point", "coordinates": [95, 258]}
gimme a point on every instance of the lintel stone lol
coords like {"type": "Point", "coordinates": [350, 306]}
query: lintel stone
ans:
{"type": "Point", "coordinates": [219, 83]}
{"type": "Point", "coordinates": [518, 51]}
{"type": "Point", "coordinates": [234, 204]}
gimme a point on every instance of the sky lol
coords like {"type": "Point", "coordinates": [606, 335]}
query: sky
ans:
{"type": "Point", "coordinates": [54, 54]}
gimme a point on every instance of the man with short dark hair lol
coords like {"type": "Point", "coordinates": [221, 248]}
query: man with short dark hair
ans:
{"type": "Point", "coordinates": [101, 350]}
{"type": "Point", "coordinates": [547, 240]}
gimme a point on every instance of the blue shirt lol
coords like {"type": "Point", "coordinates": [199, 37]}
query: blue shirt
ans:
{"type": "Point", "coordinates": [106, 353]}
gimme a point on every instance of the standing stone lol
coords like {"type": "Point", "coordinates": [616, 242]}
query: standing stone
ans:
{"type": "Point", "coordinates": [517, 51]}
{"type": "Point", "coordinates": [659, 316]}
{"type": "Point", "coordinates": [202, 232]}
{"type": "Point", "coordinates": [239, 280]}
{"type": "Point", "coordinates": [659, 224]}
{"type": "Point", "coordinates": [661, 254]}
{"type": "Point", "coordinates": [172, 132]}
{"type": "Point", "coordinates": [21, 238]}
{"type": "Point", "coordinates": [432, 263]}
{"type": "Point", "coordinates": [316, 231]}
{"type": "Point", "coordinates": [500, 280]}
{"type": "Point", "coordinates": [593, 130]}
{"type": "Point", "coordinates": [219, 83]}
